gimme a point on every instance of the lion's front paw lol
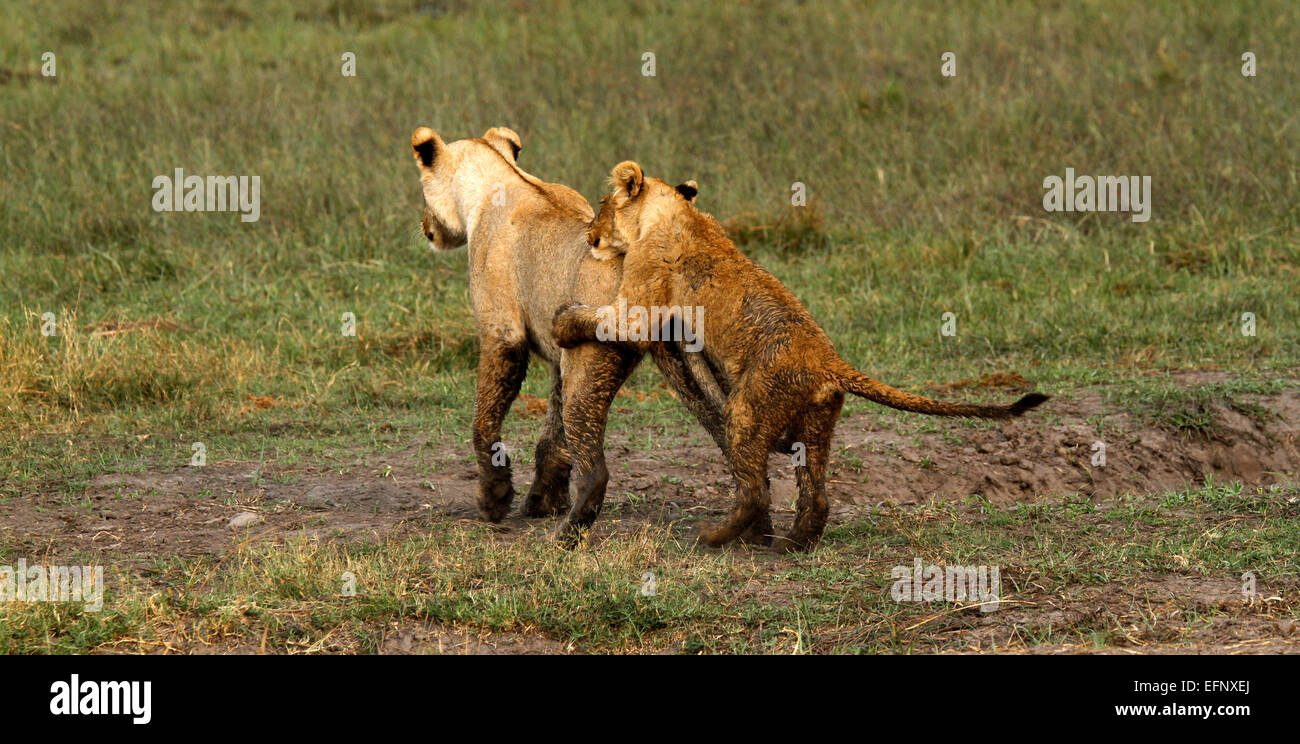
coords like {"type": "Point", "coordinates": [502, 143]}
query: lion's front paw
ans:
{"type": "Point", "coordinates": [566, 326]}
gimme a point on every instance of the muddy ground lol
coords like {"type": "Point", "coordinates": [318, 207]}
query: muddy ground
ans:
{"type": "Point", "coordinates": [192, 511]}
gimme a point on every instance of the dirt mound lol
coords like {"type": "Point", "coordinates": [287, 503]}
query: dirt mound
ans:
{"type": "Point", "coordinates": [876, 458]}
{"type": "Point", "coordinates": [1023, 459]}
{"type": "Point", "coordinates": [1064, 447]}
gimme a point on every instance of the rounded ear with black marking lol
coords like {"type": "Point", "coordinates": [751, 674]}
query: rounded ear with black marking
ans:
{"type": "Point", "coordinates": [627, 178]}
{"type": "Point", "coordinates": [427, 146]}
{"type": "Point", "coordinates": [505, 141]}
{"type": "Point", "coordinates": [688, 190]}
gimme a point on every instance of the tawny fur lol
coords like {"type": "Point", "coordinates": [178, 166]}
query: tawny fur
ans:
{"type": "Point", "coordinates": [527, 256]}
{"type": "Point", "coordinates": [779, 368]}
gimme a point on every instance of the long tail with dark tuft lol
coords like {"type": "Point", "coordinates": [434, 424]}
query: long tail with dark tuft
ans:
{"type": "Point", "coordinates": [853, 381]}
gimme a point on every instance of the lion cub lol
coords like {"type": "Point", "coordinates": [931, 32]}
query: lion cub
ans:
{"type": "Point", "coordinates": [777, 366]}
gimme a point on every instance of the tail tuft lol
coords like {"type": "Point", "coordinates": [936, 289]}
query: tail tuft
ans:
{"type": "Point", "coordinates": [1027, 402]}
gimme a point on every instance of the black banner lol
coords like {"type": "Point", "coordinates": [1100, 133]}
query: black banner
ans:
{"type": "Point", "coordinates": [275, 694]}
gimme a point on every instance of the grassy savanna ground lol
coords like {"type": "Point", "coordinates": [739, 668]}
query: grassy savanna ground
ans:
{"type": "Point", "coordinates": [925, 198]}
{"type": "Point", "coordinates": [1075, 576]}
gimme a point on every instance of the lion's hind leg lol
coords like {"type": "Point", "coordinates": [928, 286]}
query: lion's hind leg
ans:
{"type": "Point", "coordinates": [593, 374]}
{"type": "Point", "coordinates": [549, 494]}
{"type": "Point", "coordinates": [501, 368]}
{"type": "Point", "coordinates": [752, 427]}
{"type": "Point", "coordinates": [815, 429]}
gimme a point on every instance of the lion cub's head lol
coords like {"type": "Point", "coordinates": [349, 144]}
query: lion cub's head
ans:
{"type": "Point", "coordinates": [439, 162]}
{"type": "Point", "coordinates": [634, 205]}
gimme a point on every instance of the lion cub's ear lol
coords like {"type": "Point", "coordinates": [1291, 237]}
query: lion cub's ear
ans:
{"type": "Point", "coordinates": [427, 146]}
{"type": "Point", "coordinates": [627, 177]}
{"type": "Point", "coordinates": [505, 141]}
{"type": "Point", "coordinates": [688, 190]}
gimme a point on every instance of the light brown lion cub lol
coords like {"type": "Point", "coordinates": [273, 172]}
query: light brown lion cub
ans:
{"type": "Point", "coordinates": [776, 365]}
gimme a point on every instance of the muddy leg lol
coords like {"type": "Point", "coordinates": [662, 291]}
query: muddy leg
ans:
{"type": "Point", "coordinates": [760, 531]}
{"type": "Point", "coordinates": [750, 435]}
{"type": "Point", "coordinates": [550, 492]}
{"type": "Point", "coordinates": [694, 394]}
{"type": "Point", "coordinates": [501, 369]}
{"type": "Point", "coordinates": [704, 392]}
{"type": "Point", "coordinates": [593, 373]}
{"type": "Point", "coordinates": [815, 431]}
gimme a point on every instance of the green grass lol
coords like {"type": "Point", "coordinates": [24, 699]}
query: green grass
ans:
{"type": "Point", "coordinates": [457, 576]}
{"type": "Point", "coordinates": [1192, 408]}
{"type": "Point", "coordinates": [925, 198]}
{"type": "Point", "coordinates": [919, 185]}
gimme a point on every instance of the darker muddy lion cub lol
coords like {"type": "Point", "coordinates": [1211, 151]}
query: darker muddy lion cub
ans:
{"type": "Point", "coordinates": [777, 367]}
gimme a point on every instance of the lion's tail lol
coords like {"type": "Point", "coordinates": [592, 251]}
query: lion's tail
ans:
{"type": "Point", "coordinates": [852, 381]}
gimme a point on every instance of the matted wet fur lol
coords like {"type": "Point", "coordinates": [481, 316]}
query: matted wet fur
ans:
{"type": "Point", "coordinates": [528, 255]}
{"type": "Point", "coordinates": [777, 366]}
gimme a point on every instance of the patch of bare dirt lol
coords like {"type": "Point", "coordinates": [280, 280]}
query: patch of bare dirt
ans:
{"type": "Point", "coordinates": [1051, 451]}
{"type": "Point", "coordinates": [208, 510]}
